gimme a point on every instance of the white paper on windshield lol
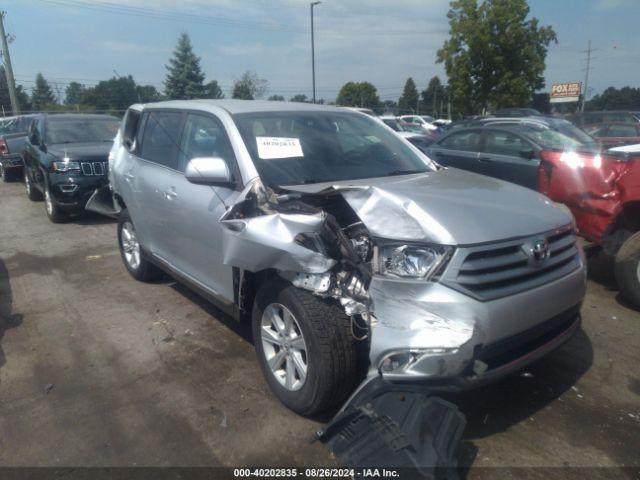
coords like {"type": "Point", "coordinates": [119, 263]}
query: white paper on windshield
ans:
{"type": "Point", "coordinates": [278, 147]}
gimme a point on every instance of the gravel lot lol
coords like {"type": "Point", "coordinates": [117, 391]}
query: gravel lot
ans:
{"type": "Point", "coordinates": [97, 369]}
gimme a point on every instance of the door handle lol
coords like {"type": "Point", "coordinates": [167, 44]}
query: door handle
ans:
{"type": "Point", "coordinates": [128, 176]}
{"type": "Point", "coordinates": [170, 193]}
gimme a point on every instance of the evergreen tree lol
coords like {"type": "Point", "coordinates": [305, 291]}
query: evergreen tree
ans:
{"type": "Point", "coordinates": [42, 94]}
{"type": "Point", "coordinates": [408, 102]}
{"type": "Point", "coordinates": [184, 78]}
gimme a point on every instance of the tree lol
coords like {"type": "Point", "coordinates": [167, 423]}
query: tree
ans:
{"type": "Point", "coordinates": [358, 94]}
{"type": "Point", "coordinates": [541, 102]}
{"type": "Point", "coordinates": [147, 93]}
{"type": "Point", "coordinates": [213, 90]}
{"type": "Point", "coordinates": [495, 55]}
{"type": "Point", "coordinates": [300, 98]}
{"type": "Point", "coordinates": [276, 98]}
{"type": "Point", "coordinates": [115, 94]}
{"type": "Point", "coordinates": [184, 78]}
{"type": "Point", "coordinates": [74, 94]}
{"type": "Point", "coordinates": [249, 86]}
{"type": "Point", "coordinates": [625, 98]}
{"type": "Point", "coordinates": [5, 100]}
{"type": "Point", "coordinates": [433, 97]}
{"type": "Point", "coordinates": [42, 95]}
{"type": "Point", "coordinates": [408, 102]}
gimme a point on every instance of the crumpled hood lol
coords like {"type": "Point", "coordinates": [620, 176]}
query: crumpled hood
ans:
{"type": "Point", "coordinates": [449, 206]}
{"type": "Point", "coordinates": [81, 150]}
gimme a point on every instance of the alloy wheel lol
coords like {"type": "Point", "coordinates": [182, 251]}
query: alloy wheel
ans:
{"type": "Point", "coordinates": [48, 203]}
{"type": "Point", "coordinates": [130, 245]}
{"type": "Point", "coordinates": [284, 346]}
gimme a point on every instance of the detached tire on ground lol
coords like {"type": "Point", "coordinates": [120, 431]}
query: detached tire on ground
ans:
{"type": "Point", "coordinates": [627, 268]}
{"type": "Point", "coordinates": [304, 346]}
{"type": "Point", "coordinates": [131, 252]}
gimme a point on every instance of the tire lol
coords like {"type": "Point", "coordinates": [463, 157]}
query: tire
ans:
{"type": "Point", "coordinates": [627, 268]}
{"type": "Point", "coordinates": [329, 346]}
{"type": "Point", "coordinates": [6, 176]}
{"type": "Point", "coordinates": [131, 251]}
{"type": "Point", "coordinates": [55, 214]}
{"type": "Point", "coordinates": [33, 194]}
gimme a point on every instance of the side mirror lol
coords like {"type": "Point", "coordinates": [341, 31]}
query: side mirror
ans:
{"type": "Point", "coordinates": [208, 171]}
{"type": "Point", "coordinates": [527, 154]}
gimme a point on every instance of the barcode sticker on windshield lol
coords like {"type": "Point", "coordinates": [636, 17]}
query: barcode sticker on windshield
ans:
{"type": "Point", "coordinates": [278, 147]}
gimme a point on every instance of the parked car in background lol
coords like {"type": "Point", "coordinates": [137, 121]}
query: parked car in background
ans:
{"type": "Point", "coordinates": [581, 119]}
{"type": "Point", "coordinates": [614, 134]}
{"type": "Point", "coordinates": [559, 125]}
{"type": "Point", "coordinates": [13, 141]}
{"type": "Point", "coordinates": [310, 221]}
{"type": "Point", "coordinates": [509, 151]}
{"type": "Point", "coordinates": [66, 160]}
{"type": "Point", "coordinates": [441, 122]}
{"type": "Point", "coordinates": [603, 193]}
{"type": "Point", "coordinates": [419, 120]}
{"type": "Point", "coordinates": [517, 112]}
{"type": "Point", "coordinates": [367, 111]}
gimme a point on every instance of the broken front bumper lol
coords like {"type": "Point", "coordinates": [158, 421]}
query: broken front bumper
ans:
{"type": "Point", "coordinates": [428, 332]}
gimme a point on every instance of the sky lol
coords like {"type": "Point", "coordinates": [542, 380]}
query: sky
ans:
{"type": "Point", "coordinates": [380, 41]}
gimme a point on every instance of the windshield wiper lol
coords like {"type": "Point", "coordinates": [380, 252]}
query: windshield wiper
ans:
{"type": "Point", "coordinates": [403, 172]}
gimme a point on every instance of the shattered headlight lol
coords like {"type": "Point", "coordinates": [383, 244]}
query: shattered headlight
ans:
{"type": "Point", "coordinates": [412, 261]}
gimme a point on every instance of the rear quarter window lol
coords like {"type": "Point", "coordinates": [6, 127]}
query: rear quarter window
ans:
{"type": "Point", "coordinates": [161, 137]}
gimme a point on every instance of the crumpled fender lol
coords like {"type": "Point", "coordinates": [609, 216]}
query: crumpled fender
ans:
{"type": "Point", "coordinates": [594, 187]}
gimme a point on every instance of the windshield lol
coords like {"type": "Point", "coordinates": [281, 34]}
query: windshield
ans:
{"type": "Point", "coordinates": [311, 147]}
{"type": "Point", "coordinates": [81, 130]}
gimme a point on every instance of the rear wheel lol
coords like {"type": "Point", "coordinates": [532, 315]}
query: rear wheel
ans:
{"type": "Point", "coordinates": [32, 193]}
{"type": "Point", "coordinates": [131, 252]}
{"type": "Point", "coordinates": [54, 212]}
{"type": "Point", "coordinates": [628, 269]}
{"type": "Point", "coordinates": [305, 348]}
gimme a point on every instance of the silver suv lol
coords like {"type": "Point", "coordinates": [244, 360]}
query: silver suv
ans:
{"type": "Point", "coordinates": [351, 252]}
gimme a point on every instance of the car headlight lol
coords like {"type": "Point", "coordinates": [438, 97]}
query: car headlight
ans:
{"type": "Point", "coordinates": [66, 166]}
{"type": "Point", "coordinates": [412, 261]}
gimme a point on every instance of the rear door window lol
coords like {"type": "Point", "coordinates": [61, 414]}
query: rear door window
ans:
{"type": "Point", "coordinates": [464, 141]}
{"type": "Point", "coordinates": [161, 137]}
{"type": "Point", "coordinates": [504, 143]}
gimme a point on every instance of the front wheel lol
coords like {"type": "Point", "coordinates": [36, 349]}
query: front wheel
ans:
{"type": "Point", "coordinates": [304, 346]}
{"type": "Point", "coordinates": [52, 208]}
{"type": "Point", "coordinates": [627, 268]}
{"type": "Point", "coordinates": [32, 193]}
{"type": "Point", "coordinates": [131, 252]}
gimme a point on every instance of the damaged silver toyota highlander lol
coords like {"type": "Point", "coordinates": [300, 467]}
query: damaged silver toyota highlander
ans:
{"type": "Point", "coordinates": [354, 255]}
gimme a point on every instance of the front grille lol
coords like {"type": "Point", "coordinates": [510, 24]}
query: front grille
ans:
{"type": "Point", "coordinates": [94, 168]}
{"type": "Point", "coordinates": [493, 271]}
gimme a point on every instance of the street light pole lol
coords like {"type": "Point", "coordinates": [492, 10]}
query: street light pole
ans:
{"type": "Point", "coordinates": [313, 53]}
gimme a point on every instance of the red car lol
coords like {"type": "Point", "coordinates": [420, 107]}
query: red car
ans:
{"type": "Point", "coordinates": [614, 134]}
{"type": "Point", "coordinates": [603, 192]}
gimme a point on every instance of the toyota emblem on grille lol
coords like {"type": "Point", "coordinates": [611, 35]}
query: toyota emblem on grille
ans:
{"type": "Point", "coordinates": [540, 251]}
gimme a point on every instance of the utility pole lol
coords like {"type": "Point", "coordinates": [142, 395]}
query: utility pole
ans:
{"type": "Point", "coordinates": [586, 76]}
{"type": "Point", "coordinates": [7, 67]}
{"type": "Point", "coordinates": [313, 52]}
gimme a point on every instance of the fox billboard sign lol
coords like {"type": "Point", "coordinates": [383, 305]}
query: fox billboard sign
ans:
{"type": "Point", "coordinates": [565, 92]}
